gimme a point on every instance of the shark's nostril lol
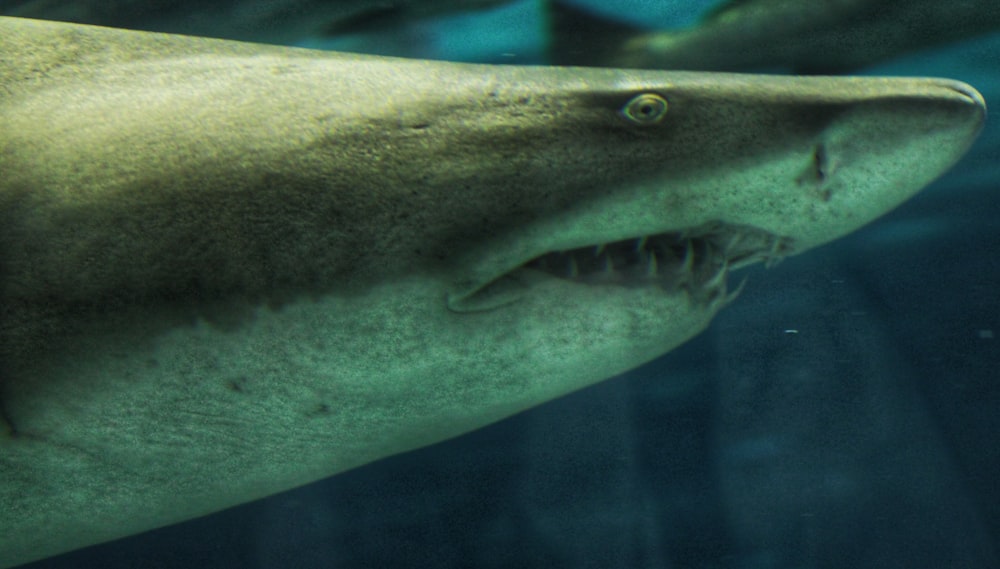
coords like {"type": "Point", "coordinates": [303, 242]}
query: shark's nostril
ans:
{"type": "Point", "coordinates": [821, 162]}
{"type": "Point", "coordinates": [816, 176]}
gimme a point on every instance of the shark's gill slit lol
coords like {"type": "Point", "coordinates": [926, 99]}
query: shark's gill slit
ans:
{"type": "Point", "coordinates": [696, 261]}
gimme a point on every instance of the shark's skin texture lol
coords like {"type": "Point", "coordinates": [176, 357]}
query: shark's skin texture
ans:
{"type": "Point", "coordinates": [271, 21]}
{"type": "Point", "coordinates": [824, 37]}
{"type": "Point", "coordinates": [231, 269]}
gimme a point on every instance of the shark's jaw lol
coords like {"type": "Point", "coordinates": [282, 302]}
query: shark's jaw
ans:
{"type": "Point", "coordinates": [695, 261]}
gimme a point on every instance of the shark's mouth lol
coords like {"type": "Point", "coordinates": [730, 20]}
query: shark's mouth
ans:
{"type": "Point", "coordinates": [695, 261]}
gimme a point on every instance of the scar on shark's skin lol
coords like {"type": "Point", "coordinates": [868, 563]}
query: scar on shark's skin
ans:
{"type": "Point", "coordinates": [237, 385]}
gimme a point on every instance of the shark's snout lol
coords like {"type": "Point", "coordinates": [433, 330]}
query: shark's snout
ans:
{"type": "Point", "coordinates": [970, 96]}
{"type": "Point", "coordinates": [962, 108]}
{"type": "Point", "coordinates": [895, 138]}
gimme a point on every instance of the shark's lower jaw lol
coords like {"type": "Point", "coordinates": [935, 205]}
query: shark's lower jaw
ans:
{"type": "Point", "coordinates": [695, 261]}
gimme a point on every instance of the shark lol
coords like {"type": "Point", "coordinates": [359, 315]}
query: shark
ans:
{"type": "Point", "coordinates": [231, 269]}
{"type": "Point", "coordinates": [270, 21]}
{"type": "Point", "coordinates": [830, 37]}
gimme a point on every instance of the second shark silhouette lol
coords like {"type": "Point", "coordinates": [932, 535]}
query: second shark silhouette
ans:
{"type": "Point", "coordinates": [832, 36]}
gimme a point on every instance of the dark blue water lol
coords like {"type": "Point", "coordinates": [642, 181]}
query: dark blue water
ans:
{"type": "Point", "coordinates": [845, 412]}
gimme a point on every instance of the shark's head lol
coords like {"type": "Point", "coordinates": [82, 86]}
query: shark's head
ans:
{"type": "Point", "coordinates": [634, 194]}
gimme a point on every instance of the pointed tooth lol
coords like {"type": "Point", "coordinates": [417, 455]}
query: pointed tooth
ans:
{"type": "Point", "coordinates": [744, 261]}
{"type": "Point", "coordinates": [608, 265]}
{"type": "Point", "coordinates": [732, 296]}
{"type": "Point", "coordinates": [773, 256]}
{"type": "Point", "coordinates": [732, 243]}
{"type": "Point", "coordinates": [599, 249]}
{"type": "Point", "coordinates": [574, 271]}
{"type": "Point", "coordinates": [641, 242]}
{"type": "Point", "coordinates": [719, 278]}
{"type": "Point", "coordinates": [688, 262]}
{"type": "Point", "coordinates": [652, 266]}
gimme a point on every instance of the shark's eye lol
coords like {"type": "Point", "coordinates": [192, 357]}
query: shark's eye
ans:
{"type": "Point", "coordinates": [645, 109]}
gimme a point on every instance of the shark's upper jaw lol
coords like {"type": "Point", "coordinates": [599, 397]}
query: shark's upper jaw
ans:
{"type": "Point", "coordinates": [719, 203]}
{"type": "Point", "coordinates": [695, 261]}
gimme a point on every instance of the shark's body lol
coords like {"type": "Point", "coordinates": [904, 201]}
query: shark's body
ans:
{"type": "Point", "coordinates": [830, 36]}
{"type": "Point", "coordinates": [230, 269]}
{"type": "Point", "coordinates": [271, 21]}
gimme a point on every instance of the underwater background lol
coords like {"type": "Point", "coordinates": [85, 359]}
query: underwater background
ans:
{"type": "Point", "coordinates": [845, 412]}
